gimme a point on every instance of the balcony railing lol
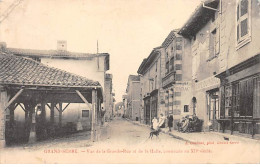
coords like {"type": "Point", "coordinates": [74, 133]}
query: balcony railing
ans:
{"type": "Point", "coordinates": [168, 79]}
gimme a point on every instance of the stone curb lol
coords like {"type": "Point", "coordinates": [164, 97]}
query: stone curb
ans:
{"type": "Point", "coordinates": [231, 137]}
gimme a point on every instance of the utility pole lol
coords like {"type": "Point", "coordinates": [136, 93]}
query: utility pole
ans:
{"type": "Point", "coordinates": [97, 56]}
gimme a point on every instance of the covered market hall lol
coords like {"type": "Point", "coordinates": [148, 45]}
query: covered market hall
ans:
{"type": "Point", "coordinates": [34, 87]}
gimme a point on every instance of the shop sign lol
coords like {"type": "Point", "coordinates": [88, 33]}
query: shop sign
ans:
{"type": "Point", "coordinates": [209, 82]}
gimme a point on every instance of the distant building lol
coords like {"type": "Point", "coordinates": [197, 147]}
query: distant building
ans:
{"type": "Point", "coordinates": [133, 98]}
{"type": "Point", "coordinates": [109, 95]}
{"type": "Point", "coordinates": [124, 99]}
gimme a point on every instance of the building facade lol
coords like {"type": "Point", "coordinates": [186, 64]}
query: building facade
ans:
{"type": "Point", "coordinates": [124, 99]}
{"type": "Point", "coordinates": [151, 71]}
{"type": "Point", "coordinates": [225, 64]}
{"type": "Point", "coordinates": [109, 95]}
{"type": "Point", "coordinates": [133, 98]}
{"type": "Point", "coordinates": [176, 82]}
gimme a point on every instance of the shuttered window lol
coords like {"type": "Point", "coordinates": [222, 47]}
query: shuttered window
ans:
{"type": "Point", "coordinates": [236, 99]}
{"type": "Point", "coordinates": [256, 106]}
{"type": "Point", "coordinates": [243, 21]}
{"type": "Point", "coordinates": [212, 41]}
{"type": "Point", "coordinates": [242, 98]}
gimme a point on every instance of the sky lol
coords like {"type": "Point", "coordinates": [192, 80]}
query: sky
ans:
{"type": "Point", "coordinates": [126, 29]}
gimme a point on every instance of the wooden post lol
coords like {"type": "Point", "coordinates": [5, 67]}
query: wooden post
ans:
{"type": "Point", "coordinates": [52, 132]}
{"type": "Point", "coordinates": [30, 123]}
{"type": "Point", "coordinates": [60, 115]}
{"type": "Point", "coordinates": [10, 125]}
{"type": "Point", "coordinates": [3, 103]}
{"type": "Point", "coordinates": [93, 126]}
{"type": "Point", "coordinates": [42, 123]}
{"type": "Point", "coordinates": [52, 113]}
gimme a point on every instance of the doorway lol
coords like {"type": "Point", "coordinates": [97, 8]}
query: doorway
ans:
{"type": "Point", "coordinates": [213, 109]}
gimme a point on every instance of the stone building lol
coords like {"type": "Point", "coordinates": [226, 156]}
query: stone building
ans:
{"type": "Point", "coordinates": [225, 69]}
{"type": "Point", "coordinates": [176, 82]}
{"type": "Point", "coordinates": [124, 99]}
{"type": "Point", "coordinates": [109, 95]}
{"type": "Point", "coordinates": [133, 98]}
{"type": "Point", "coordinates": [151, 71]}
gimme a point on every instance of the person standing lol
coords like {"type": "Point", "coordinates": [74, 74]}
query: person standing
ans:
{"type": "Point", "coordinates": [162, 121]}
{"type": "Point", "coordinates": [155, 124]}
{"type": "Point", "coordinates": [170, 122]}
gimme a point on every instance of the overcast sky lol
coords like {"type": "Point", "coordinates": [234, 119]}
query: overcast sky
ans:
{"type": "Point", "coordinates": [126, 29]}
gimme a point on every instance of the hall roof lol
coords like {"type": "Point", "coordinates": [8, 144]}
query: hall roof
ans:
{"type": "Point", "coordinates": [16, 70]}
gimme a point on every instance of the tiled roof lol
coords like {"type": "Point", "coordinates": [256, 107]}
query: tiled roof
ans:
{"type": "Point", "coordinates": [169, 39]}
{"type": "Point", "coordinates": [49, 53]}
{"type": "Point", "coordinates": [16, 70]}
{"type": "Point", "coordinates": [199, 18]}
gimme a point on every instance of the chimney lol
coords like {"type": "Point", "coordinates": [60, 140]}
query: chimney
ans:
{"type": "Point", "coordinates": [62, 45]}
{"type": "Point", "coordinates": [2, 46]}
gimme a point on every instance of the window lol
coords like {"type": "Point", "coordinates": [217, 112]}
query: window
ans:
{"type": "Point", "coordinates": [186, 108]}
{"type": "Point", "coordinates": [178, 66]}
{"type": "Point", "coordinates": [243, 20]}
{"type": "Point", "coordinates": [235, 98]}
{"type": "Point", "coordinates": [177, 102]}
{"type": "Point", "coordinates": [177, 94]}
{"type": "Point", "coordinates": [178, 56]}
{"type": "Point", "coordinates": [213, 105]}
{"type": "Point", "coordinates": [178, 77]}
{"type": "Point", "coordinates": [212, 42]}
{"type": "Point", "coordinates": [239, 98]}
{"type": "Point", "coordinates": [228, 96]}
{"type": "Point", "coordinates": [85, 113]}
{"type": "Point", "coordinates": [172, 64]}
{"type": "Point", "coordinates": [256, 97]}
{"type": "Point", "coordinates": [179, 46]}
{"type": "Point", "coordinates": [167, 67]}
{"type": "Point", "coordinates": [179, 39]}
{"type": "Point", "coordinates": [155, 82]}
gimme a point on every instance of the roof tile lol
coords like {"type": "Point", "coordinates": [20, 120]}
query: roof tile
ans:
{"type": "Point", "coordinates": [24, 71]}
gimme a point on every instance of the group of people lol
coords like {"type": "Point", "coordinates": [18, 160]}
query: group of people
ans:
{"type": "Point", "coordinates": [158, 123]}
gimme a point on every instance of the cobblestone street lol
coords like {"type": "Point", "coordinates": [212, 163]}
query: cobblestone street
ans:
{"type": "Point", "coordinates": [123, 142]}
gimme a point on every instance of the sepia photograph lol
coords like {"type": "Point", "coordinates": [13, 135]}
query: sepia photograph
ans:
{"type": "Point", "coordinates": [129, 82]}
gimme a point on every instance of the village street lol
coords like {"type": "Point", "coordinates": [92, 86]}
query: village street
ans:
{"type": "Point", "coordinates": [122, 142]}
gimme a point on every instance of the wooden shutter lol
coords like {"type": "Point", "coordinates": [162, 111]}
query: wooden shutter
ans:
{"type": "Point", "coordinates": [217, 43]}
{"type": "Point", "coordinates": [243, 19]}
{"type": "Point", "coordinates": [222, 102]}
{"type": "Point", "coordinates": [256, 98]}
